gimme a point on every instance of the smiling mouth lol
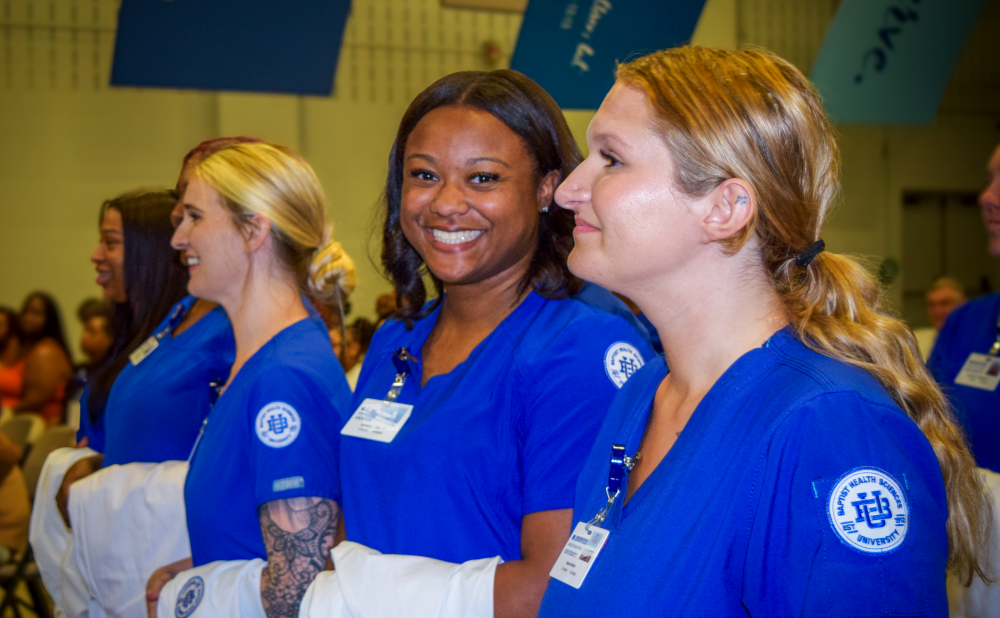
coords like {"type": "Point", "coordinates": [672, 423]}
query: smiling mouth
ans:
{"type": "Point", "coordinates": [456, 238]}
{"type": "Point", "coordinates": [192, 261]}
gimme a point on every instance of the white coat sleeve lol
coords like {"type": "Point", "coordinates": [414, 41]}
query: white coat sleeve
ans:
{"type": "Point", "coordinates": [52, 541]}
{"type": "Point", "coordinates": [128, 521]}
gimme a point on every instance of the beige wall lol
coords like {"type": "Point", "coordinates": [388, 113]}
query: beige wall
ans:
{"type": "Point", "coordinates": [69, 142]}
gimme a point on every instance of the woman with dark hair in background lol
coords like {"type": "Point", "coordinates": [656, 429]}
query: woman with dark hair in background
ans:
{"type": "Point", "coordinates": [11, 358]}
{"type": "Point", "coordinates": [47, 366]}
{"type": "Point", "coordinates": [504, 371]}
{"type": "Point", "coordinates": [149, 401]}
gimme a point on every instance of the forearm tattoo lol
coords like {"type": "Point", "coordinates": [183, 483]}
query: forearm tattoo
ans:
{"type": "Point", "coordinates": [298, 535]}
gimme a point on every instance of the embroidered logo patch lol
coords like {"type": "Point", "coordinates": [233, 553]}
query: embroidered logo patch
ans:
{"type": "Point", "coordinates": [868, 511]}
{"type": "Point", "coordinates": [190, 597]}
{"type": "Point", "coordinates": [277, 424]}
{"type": "Point", "coordinates": [621, 361]}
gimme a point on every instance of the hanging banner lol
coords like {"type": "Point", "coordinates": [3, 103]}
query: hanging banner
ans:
{"type": "Point", "coordinates": [888, 61]}
{"type": "Point", "coordinates": [570, 47]}
{"type": "Point", "coordinates": [243, 45]}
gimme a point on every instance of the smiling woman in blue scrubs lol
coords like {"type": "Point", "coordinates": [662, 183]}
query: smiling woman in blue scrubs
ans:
{"type": "Point", "coordinates": [505, 377]}
{"type": "Point", "coordinates": [263, 473]}
{"type": "Point", "coordinates": [797, 459]}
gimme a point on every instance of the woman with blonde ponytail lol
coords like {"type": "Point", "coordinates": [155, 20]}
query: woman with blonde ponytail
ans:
{"type": "Point", "coordinates": [262, 483]}
{"type": "Point", "coordinates": [797, 458]}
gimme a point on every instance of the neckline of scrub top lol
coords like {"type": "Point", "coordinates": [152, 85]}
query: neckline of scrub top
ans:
{"type": "Point", "coordinates": [248, 366]}
{"type": "Point", "coordinates": [633, 430]}
{"type": "Point", "coordinates": [422, 330]}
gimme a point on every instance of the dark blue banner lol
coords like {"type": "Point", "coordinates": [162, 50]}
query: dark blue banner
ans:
{"type": "Point", "coordinates": [289, 46]}
{"type": "Point", "coordinates": [570, 47]}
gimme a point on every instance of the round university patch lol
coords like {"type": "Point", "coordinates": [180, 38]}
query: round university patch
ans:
{"type": "Point", "coordinates": [868, 511]}
{"type": "Point", "coordinates": [190, 597]}
{"type": "Point", "coordinates": [621, 361]}
{"type": "Point", "coordinates": [277, 424]}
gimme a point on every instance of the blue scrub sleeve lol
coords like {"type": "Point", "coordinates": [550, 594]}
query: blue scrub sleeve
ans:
{"type": "Point", "coordinates": [796, 563]}
{"type": "Point", "coordinates": [567, 394]}
{"type": "Point", "coordinates": [294, 437]}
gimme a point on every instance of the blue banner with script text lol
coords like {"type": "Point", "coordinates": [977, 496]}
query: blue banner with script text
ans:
{"type": "Point", "coordinates": [888, 61]}
{"type": "Point", "coordinates": [250, 45]}
{"type": "Point", "coordinates": [570, 47]}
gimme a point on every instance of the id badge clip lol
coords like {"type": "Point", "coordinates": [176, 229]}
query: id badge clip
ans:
{"type": "Point", "coordinates": [588, 539]}
{"type": "Point", "coordinates": [982, 371]}
{"type": "Point", "coordinates": [381, 419]}
{"type": "Point", "coordinates": [148, 346]}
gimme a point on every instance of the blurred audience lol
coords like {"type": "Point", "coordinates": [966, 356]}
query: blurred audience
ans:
{"type": "Point", "coordinates": [385, 306]}
{"type": "Point", "coordinates": [98, 337]}
{"type": "Point", "coordinates": [944, 296]}
{"type": "Point", "coordinates": [359, 336]}
{"type": "Point", "coordinates": [11, 358]}
{"type": "Point", "coordinates": [15, 509]}
{"type": "Point", "coordinates": [47, 368]}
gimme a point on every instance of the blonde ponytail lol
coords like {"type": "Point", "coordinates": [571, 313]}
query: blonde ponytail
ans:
{"type": "Point", "coordinates": [331, 272]}
{"type": "Point", "coordinates": [749, 114]}
{"type": "Point", "coordinates": [836, 309]}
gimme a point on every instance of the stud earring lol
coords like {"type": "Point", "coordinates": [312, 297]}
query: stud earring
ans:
{"type": "Point", "coordinates": [545, 209]}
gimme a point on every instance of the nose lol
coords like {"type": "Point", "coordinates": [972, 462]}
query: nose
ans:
{"type": "Point", "coordinates": [179, 240]}
{"type": "Point", "coordinates": [990, 198]}
{"type": "Point", "coordinates": [450, 200]}
{"type": "Point", "coordinates": [573, 192]}
{"type": "Point", "coordinates": [98, 255]}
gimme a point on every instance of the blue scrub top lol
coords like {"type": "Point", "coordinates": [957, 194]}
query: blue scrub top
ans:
{"type": "Point", "coordinates": [93, 431]}
{"type": "Point", "coordinates": [272, 435]}
{"type": "Point", "coordinates": [971, 328]}
{"type": "Point", "coordinates": [500, 436]}
{"type": "Point", "coordinates": [156, 408]}
{"type": "Point", "coordinates": [737, 519]}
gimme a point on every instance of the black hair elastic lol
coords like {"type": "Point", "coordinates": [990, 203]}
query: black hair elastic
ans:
{"type": "Point", "coordinates": [807, 256]}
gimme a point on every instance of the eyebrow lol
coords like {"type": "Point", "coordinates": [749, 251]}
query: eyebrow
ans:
{"type": "Point", "coordinates": [613, 140]}
{"type": "Point", "coordinates": [472, 161]}
{"type": "Point", "coordinates": [475, 160]}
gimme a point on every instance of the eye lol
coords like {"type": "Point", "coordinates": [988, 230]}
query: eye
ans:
{"type": "Point", "coordinates": [423, 175]}
{"type": "Point", "coordinates": [484, 177]}
{"type": "Point", "coordinates": [612, 161]}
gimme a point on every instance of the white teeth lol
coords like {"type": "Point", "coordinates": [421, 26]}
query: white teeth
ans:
{"type": "Point", "coordinates": [193, 261]}
{"type": "Point", "coordinates": [455, 238]}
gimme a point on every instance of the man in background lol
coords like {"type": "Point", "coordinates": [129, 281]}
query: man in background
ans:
{"type": "Point", "coordinates": [944, 296]}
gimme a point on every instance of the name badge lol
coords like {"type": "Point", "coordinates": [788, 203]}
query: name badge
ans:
{"type": "Point", "coordinates": [980, 371]}
{"type": "Point", "coordinates": [377, 419]}
{"type": "Point", "coordinates": [579, 554]}
{"type": "Point", "coordinates": [144, 350]}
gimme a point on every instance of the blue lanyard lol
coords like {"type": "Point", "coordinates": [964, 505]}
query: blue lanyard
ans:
{"type": "Point", "coordinates": [401, 361]}
{"type": "Point", "coordinates": [176, 317]}
{"type": "Point", "coordinates": [621, 465]}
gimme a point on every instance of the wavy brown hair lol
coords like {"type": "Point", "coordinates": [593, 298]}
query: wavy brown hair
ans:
{"type": "Point", "coordinates": [751, 115]}
{"type": "Point", "coordinates": [533, 115]}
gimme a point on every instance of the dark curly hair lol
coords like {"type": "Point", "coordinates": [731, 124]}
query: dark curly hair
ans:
{"type": "Point", "coordinates": [532, 114]}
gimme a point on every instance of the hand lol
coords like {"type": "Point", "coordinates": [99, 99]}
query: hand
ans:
{"type": "Point", "coordinates": [81, 469]}
{"type": "Point", "coordinates": [83, 443]}
{"type": "Point", "coordinates": [159, 579]}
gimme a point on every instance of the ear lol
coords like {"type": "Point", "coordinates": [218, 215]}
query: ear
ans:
{"type": "Point", "coordinates": [256, 231]}
{"type": "Point", "coordinates": [547, 190]}
{"type": "Point", "coordinates": [731, 206]}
